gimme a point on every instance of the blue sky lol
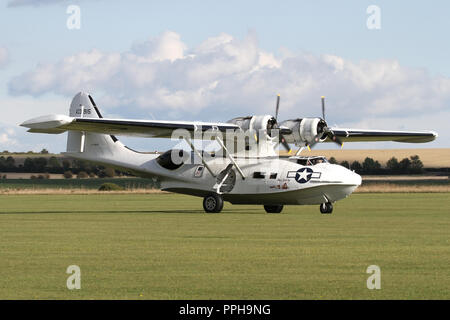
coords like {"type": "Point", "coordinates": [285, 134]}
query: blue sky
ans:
{"type": "Point", "coordinates": [397, 77]}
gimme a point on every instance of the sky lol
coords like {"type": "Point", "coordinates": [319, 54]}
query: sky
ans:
{"type": "Point", "coordinates": [216, 60]}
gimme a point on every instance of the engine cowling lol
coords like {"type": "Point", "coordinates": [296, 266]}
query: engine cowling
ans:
{"type": "Point", "coordinates": [257, 124]}
{"type": "Point", "coordinates": [298, 131]}
{"type": "Point", "coordinates": [257, 136]}
{"type": "Point", "coordinates": [304, 130]}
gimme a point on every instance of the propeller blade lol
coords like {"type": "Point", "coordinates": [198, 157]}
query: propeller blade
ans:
{"type": "Point", "coordinates": [323, 107]}
{"type": "Point", "coordinates": [277, 107]}
{"type": "Point", "coordinates": [337, 140]}
{"type": "Point", "coordinates": [326, 131]}
{"type": "Point", "coordinates": [285, 144]}
{"type": "Point", "coordinates": [333, 137]}
{"type": "Point", "coordinates": [315, 141]}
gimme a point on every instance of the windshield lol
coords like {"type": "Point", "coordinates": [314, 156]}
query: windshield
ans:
{"type": "Point", "coordinates": [311, 161]}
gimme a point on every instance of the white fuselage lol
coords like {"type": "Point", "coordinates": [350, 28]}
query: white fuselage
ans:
{"type": "Point", "coordinates": [268, 180]}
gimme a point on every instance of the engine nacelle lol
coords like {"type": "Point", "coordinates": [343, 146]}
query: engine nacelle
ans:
{"type": "Point", "coordinates": [257, 124]}
{"type": "Point", "coordinates": [299, 131]}
{"type": "Point", "coordinates": [304, 130]}
{"type": "Point", "coordinates": [257, 136]}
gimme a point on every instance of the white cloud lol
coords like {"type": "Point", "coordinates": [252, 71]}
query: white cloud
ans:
{"type": "Point", "coordinates": [16, 139]}
{"type": "Point", "coordinates": [4, 56]}
{"type": "Point", "coordinates": [168, 46]}
{"type": "Point", "coordinates": [7, 137]}
{"type": "Point", "coordinates": [224, 77]}
{"type": "Point", "coordinates": [16, 110]}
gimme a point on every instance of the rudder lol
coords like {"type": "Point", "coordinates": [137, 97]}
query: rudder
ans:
{"type": "Point", "coordinates": [83, 106]}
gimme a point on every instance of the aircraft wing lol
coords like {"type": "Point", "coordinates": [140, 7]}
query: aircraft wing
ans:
{"type": "Point", "coordinates": [362, 135]}
{"type": "Point", "coordinates": [142, 128]}
{"type": "Point", "coordinates": [55, 124]}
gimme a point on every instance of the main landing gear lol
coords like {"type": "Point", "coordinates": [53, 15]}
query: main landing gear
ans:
{"type": "Point", "coordinates": [213, 203]}
{"type": "Point", "coordinates": [273, 209]}
{"type": "Point", "coordinates": [326, 208]}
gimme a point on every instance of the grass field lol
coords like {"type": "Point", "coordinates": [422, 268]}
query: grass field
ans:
{"type": "Point", "coordinates": [163, 246]}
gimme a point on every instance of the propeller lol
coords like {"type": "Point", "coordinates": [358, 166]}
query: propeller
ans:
{"type": "Point", "coordinates": [323, 108]}
{"type": "Point", "coordinates": [277, 107]}
{"type": "Point", "coordinates": [282, 140]}
{"type": "Point", "coordinates": [327, 132]}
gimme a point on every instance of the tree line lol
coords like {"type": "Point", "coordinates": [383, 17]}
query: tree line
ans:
{"type": "Point", "coordinates": [69, 168]}
{"type": "Point", "coordinates": [84, 169]}
{"type": "Point", "coordinates": [411, 165]}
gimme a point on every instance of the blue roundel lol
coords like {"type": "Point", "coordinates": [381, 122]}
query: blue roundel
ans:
{"type": "Point", "coordinates": [303, 175]}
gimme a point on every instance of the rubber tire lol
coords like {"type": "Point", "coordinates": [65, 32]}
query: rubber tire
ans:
{"type": "Point", "coordinates": [326, 208]}
{"type": "Point", "coordinates": [213, 203]}
{"type": "Point", "coordinates": [273, 208]}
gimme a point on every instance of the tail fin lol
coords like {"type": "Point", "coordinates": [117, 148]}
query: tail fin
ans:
{"type": "Point", "coordinates": [83, 106]}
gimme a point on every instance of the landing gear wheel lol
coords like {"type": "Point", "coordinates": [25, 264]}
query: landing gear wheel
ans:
{"type": "Point", "coordinates": [273, 209]}
{"type": "Point", "coordinates": [213, 203]}
{"type": "Point", "coordinates": [326, 207]}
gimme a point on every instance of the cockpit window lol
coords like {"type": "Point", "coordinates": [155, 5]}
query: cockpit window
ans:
{"type": "Point", "coordinates": [309, 161]}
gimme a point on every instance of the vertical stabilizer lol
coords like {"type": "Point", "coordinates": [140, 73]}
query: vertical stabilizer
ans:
{"type": "Point", "coordinates": [83, 106]}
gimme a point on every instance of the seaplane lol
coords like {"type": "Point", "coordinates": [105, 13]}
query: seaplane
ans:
{"type": "Point", "coordinates": [244, 168]}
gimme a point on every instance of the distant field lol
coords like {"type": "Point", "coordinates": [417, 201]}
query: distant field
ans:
{"type": "Point", "coordinates": [163, 246]}
{"type": "Point", "coordinates": [127, 183]}
{"type": "Point", "coordinates": [431, 158]}
{"type": "Point", "coordinates": [31, 155]}
{"type": "Point", "coordinates": [27, 175]}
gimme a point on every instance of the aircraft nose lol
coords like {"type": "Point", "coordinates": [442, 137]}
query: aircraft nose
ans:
{"type": "Point", "coordinates": [356, 178]}
{"type": "Point", "coordinates": [348, 179]}
{"type": "Point", "coordinates": [352, 178]}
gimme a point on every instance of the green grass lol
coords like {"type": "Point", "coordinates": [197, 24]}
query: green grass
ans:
{"type": "Point", "coordinates": [163, 246]}
{"type": "Point", "coordinates": [409, 182]}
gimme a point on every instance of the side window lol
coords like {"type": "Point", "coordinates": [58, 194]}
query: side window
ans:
{"type": "Point", "coordinates": [258, 175]}
{"type": "Point", "coordinates": [199, 171]}
{"type": "Point", "coordinates": [273, 176]}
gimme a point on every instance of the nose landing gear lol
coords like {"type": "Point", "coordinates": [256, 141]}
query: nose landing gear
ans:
{"type": "Point", "coordinates": [326, 208]}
